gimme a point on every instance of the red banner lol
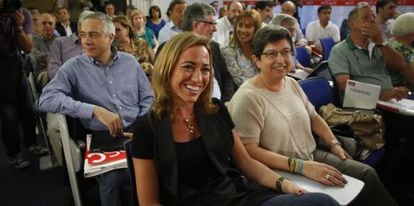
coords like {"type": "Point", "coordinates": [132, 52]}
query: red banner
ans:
{"type": "Point", "coordinates": [331, 2]}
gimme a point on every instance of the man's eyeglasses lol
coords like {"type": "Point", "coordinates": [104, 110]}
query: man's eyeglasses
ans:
{"type": "Point", "coordinates": [272, 54]}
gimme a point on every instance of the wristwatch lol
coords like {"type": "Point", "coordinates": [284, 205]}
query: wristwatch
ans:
{"type": "Point", "coordinates": [333, 143]}
{"type": "Point", "coordinates": [279, 183]}
{"type": "Point", "coordinates": [19, 29]}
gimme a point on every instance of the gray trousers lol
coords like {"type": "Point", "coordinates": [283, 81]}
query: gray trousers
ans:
{"type": "Point", "coordinates": [373, 193]}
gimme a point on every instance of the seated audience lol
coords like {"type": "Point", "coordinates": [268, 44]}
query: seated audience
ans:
{"type": "Point", "coordinates": [109, 9]}
{"type": "Point", "coordinates": [289, 8]}
{"type": "Point", "coordinates": [238, 52]}
{"type": "Point", "coordinates": [64, 27]}
{"type": "Point", "coordinates": [138, 47]}
{"type": "Point", "coordinates": [386, 10]}
{"type": "Point", "coordinates": [175, 13]}
{"type": "Point", "coordinates": [154, 20]}
{"type": "Point", "coordinates": [182, 148]}
{"type": "Point", "coordinates": [226, 24]}
{"type": "Point", "coordinates": [265, 9]}
{"type": "Point", "coordinates": [107, 90]}
{"type": "Point", "coordinates": [322, 28]}
{"type": "Point", "coordinates": [40, 50]}
{"type": "Point", "coordinates": [403, 31]}
{"type": "Point", "coordinates": [364, 56]}
{"type": "Point", "coordinates": [141, 31]}
{"type": "Point", "coordinates": [275, 121]}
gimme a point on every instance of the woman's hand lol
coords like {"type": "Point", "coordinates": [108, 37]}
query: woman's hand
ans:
{"type": "Point", "coordinates": [323, 173]}
{"type": "Point", "coordinates": [289, 187]}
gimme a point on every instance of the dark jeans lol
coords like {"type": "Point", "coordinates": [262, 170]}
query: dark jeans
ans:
{"type": "Point", "coordinates": [9, 116]}
{"type": "Point", "coordinates": [114, 188]}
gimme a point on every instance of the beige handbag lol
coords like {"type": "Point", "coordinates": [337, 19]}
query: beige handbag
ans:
{"type": "Point", "coordinates": [369, 127]}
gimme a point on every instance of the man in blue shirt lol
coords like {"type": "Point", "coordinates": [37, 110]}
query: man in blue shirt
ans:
{"type": "Point", "coordinates": [105, 89]}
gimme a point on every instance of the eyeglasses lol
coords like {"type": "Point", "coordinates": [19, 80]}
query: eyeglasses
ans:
{"type": "Point", "coordinates": [207, 22]}
{"type": "Point", "coordinates": [272, 54]}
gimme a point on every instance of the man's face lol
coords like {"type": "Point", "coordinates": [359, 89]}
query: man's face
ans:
{"type": "Point", "coordinates": [388, 10]}
{"type": "Point", "coordinates": [324, 16]}
{"type": "Point", "coordinates": [205, 27]}
{"type": "Point", "coordinates": [95, 43]}
{"type": "Point", "coordinates": [63, 15]}
{"type": "Point", "coordinates": [365, 16]}
{"type": "Point", "coordinates": [110, 10]}
{"type": "Point", "coordinates": [47, 23]}
{"type": "Point", "coordinates": [266, 14]}
{"type": "Point", "coordinates": [177, 14]}
{"type": "Point", "coordinates": [234, 11]}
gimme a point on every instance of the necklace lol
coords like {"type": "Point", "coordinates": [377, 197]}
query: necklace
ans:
{"type": "Point", "coordinates": [189, 125]}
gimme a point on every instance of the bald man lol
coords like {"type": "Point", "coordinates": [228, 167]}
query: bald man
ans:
{"type": "Point", "coordinates": [40, 50]}
{"type": "Point", "coordinates": [225, 24]}
{"type": "Point", "coordinates": [289, 8]}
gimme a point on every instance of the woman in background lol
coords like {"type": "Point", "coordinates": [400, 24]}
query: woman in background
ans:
{"type": "Point", "coordinates": [154, 21]}
{"type": "Point", "coordinates": [141, 31]}
{"type": "Point", "coordinates": [238, 52]}
{"type": "Point", "coordinates": [124, 41]}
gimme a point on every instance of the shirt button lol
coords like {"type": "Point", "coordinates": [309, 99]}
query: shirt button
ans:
{"type": "Point", "coordinates": [114, 95]}
{"type": "Point", "coordinates": [120, 107]}
{"type": "Point", "coordinates": [110, 82]}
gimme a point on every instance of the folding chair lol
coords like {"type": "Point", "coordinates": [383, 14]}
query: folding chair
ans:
{"type": "Point", "coordinates": [303, 56]}
{"type": "Point", "coordinates": [73, 158]}
{"type": "Point", "coordinates": [327, 44]}
{"type": "Point", "coordinates": [47, 161]}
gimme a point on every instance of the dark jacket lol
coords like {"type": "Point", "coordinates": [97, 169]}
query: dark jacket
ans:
{"type": "Point", "coordinates": [61, 30]}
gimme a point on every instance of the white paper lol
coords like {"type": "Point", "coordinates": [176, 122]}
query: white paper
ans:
{"type": "Point", "coordinates": [343, 195]}
{"type": "Point", "coordinates": [361, 95]}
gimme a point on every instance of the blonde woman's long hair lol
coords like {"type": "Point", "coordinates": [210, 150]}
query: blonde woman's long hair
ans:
{"type": "Point", "coordinates": [164, 68]}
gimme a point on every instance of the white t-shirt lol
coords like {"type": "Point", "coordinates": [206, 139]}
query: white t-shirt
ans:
{"type": "Point", "coordinates": [314, 31]}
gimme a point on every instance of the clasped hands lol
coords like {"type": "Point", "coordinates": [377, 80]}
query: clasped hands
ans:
{"type": "Point", "coordinates": [111, 120]}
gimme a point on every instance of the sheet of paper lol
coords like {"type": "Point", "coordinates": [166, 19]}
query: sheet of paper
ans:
{"type": "Point", "coordinates": [343, 195]}
{"type": "Point", "coordinates": [361, 95]}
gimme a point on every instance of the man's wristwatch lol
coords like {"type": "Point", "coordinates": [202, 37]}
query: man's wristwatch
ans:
{"type": "Point", "coordinates": [19, 29]}
{"type": "Point", "coordinates": [333, 143]}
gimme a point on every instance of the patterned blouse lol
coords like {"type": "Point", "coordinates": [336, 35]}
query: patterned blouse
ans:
{"type": "Point", "coordinates": [140, 51]}
{"type": "Point", "coordinates": [240, 67]}
{"type": "Point", "coordinates": [408, 53]}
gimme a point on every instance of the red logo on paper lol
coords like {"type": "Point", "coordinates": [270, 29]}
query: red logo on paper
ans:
{"type": "Point", "coordinates": [104, 157]}
{"type": "Point", "coordinates": [351, 83]}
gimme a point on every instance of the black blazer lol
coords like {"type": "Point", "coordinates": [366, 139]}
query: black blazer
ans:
{"type": "Point", "coordinates": [221, 73]}
{"type": "Point", "coordinates": [61, 30]}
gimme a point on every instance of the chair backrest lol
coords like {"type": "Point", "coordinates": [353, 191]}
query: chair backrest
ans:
{"type": "Point", "coordinates": [318, 91]}
{"type": "Point", "coordinates": [303, 56]}
{"type": "Point", "coordinates": [128, 150]}
{"type": "Point", "coordinates": [327, 44]}
{"type": "Point", "coordinates": [321, 70]}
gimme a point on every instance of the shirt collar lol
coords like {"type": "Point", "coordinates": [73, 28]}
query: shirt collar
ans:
{"type": "Point", "coordinates": [115, 56]}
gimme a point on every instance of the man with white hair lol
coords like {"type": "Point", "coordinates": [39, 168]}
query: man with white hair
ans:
{"type": "Point", "coordinates": [107, 90]}
{"type": "Point", "coordinates": [403, 31]}
{"type": "Point", "coordinates": [289, 8]}
{"type": "Point", "coordinates": [225, 24]}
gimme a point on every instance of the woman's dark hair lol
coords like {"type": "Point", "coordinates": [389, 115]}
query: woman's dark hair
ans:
{"type": "Point", "coordinates": [155, 7]}
{"type": "Point", "coordinates": [269, 34]}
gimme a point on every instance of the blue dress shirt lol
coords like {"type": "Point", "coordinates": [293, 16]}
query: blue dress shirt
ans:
{"type": "Point", "coordinates": [81, 84]}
